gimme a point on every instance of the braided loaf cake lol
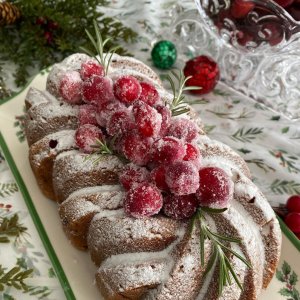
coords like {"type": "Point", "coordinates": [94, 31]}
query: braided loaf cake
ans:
{"type": "Point", "coordinates": [142, 257]}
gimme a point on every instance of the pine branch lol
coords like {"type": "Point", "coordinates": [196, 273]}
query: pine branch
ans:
{"type": "Point", "coordinates": [6, 189]}
{"type": "Point", "coordinates": [10, 226]}
{"type": "Point", "coordinates": [220, 252]}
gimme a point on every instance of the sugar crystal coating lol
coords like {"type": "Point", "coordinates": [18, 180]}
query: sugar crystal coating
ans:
{"type": "Point", "coordinates": [149, 94]}
{"type": "Point", "coordinates": [70, 87]}
{"type": "Point", "coordinates": [90, 68]}
{"type": "Point", "coordinates": [87, 114]}
{"type": "Point", "coordinates": [182, 178]}
{"type": "Point", "coordinates": [143, 200]}
{"type": "Point", "coordinates": [216, 188]}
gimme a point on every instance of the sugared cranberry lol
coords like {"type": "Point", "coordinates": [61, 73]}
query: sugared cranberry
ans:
{"type": "Point", "coordinates": [166, 118]}
{"type": "Point", "coordinates": [292, 220]}
{"type": "Point", "coordinates": [87, 114]}
{"type": "Point", "coordinates": [127, 89]}
{"type": "Point", "coordinates": [70, 87]}
{"type": "Point", "coordinates": [182, 177]}
{"type": "Point", "coordinates": [205, 74]}
{"type": "Point", "coordinates": [185, 129]}
{"type": "Point", "coordinates": [86, 136]}
{"type": "Point", "coordinates": [149, 94]}
{"type": "Point", "coordinates": [148, 120]}
{"type": "Point", "coordinates": [132, 174]}
{"type": "Point", "coordinates": [193, 155]}
{"type": "Point", "coordinates": [167, 150]}
{"type": "Point", "coordinates": [180, 207]}
{"type": "Point", "coordinates": [120, 122]}
{"type": "Point", "coordinates": [106, 110]}
{"type": "Point", "coordinates": [158, 177]}
{"type": "Point", "coordinates": [284, 3]}
{"type": "Point", "coordinates": [90, 68]}
{"type": "Point", "coordinates": [241, 8]}
{"type": "Point", "coordinates": [143, 200]}
{"type": "Point", "coordinates": [216, 188]}
{"type": "Point", "coordinates": [97, 90]}
{"type": "Point", "coordinates": [293, 204]}
{"type": "Point", "coordinates": [136, 148]}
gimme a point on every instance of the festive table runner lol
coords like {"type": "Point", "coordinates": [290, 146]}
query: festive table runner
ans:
{"type": "Point", "coordinates": [268, 142]}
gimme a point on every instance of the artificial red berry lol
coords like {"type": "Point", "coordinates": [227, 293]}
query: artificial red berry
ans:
{"type": "Point", "coordinates": [106, 110]}
{"type": "Point", "coordinates": [205, 74]}
{"type": "Point", "coordinates": [166, 118]}
{"type": "Point", "coordinates": [127, 89]}
{"type": "Point", "coordinates": [167, 150]}
{"type": "Point", "coordinates": [70, 87]}
{"type": "Point", "coordinates": [97, 90]}
{"type": "Point", "coordinates": [87, 114]}
{"type": "Point", "coordinates": [182, 178]}
{"type": "Point", "coordinates": [241, 8]}
{"type": "Point", "coordinates": [86, 136]}
{"type": "Point", "coordinates": [185, 129]}
{"type": "Point", "coordinates": [143, 200]}
{"type": "Point", "coordinates": [292, 220]}
{"type": "Point", "coordinates": [132, 175]}
{"type": "Point", "coordinates": [136, 148]}
{"type": "Point", "coordinates": [120, 122]}
{"type": "Point", "coordinates": [193, 155]}
{"type": "Point", "coordinates": [148, 120]}
{"type": "Point", "coordinates": [180, 207]}
{"type": "Point", "coordinates": [216, 188]}
{"type": "Point", "coordinates": [293, 204]}
{"type": "Point", "coordinates": [158, 177]}
{"type": "Point", "coordinates": [284, 3]}
{"type": "Point", "coordinates": [90, 68]}
{"type": "Point", "coordinates": [149, 94]}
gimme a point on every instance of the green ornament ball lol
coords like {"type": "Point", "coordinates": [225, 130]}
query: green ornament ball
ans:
{"type": "Point", "coordinates": [164, 54]}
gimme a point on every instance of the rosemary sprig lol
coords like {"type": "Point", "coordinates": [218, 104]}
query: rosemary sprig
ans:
{"type": "Point", "coordinates": [220, 252]}
{"type": "Point", "coordinates": [178, 105]}
{"type": "Point", "coordinates": [9, 226]}
{"type": "Point", "coordinates": [99, 44]}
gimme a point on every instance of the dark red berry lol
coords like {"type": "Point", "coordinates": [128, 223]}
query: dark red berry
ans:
{"type": "Point", "coordinates": [149, 94]}
{"type": "Point", "coordinates": [158, 177]}
{"type": "Point", "coordinates": [127, 89]}
{"type": "Point", "coordinates": [167, 150]}
{"type": "Point", "coordinates": [70, 87]}
{"type": "Point", "coordinates": [143, 200]}
{"type": "Point", "coordinates": [86, 136]}
{"type": "Point", "coordinates": [216, 188]}
{"type": "Point", "coordinates": [120, 122]}
{"type": "Point", "coordinates": [193, 155]}
{"type": "Point", "coordinates": [97, 90]}
{"type": "Point", "coordinates": [292, 220]}
{"type": "Point", "coordinates": [136, 148]}
{"type": "Point", "coordinates": [205, 74]}
{"type": "Point", "coordinates": [180, 207]}
{"type": "Point", "coordinates": [148, 120]}
{"type": "Point", "coordinates": [293, 204]}
{"type": "Point", "coordinates": [182, 178]}
{"type": "Point", "coordinates": [90, 68]}
{"type": "Point", "coordinates": [184, 129]}
{"type": "Point", "coordinates": [241, 8]}
{"type": "Point", "coordinates": [132, 175]}
{"type": "Point", "coordinates": [87, 114]}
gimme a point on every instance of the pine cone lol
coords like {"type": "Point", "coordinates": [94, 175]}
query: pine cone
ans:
{"type": "Point", "coordinates": [9, 13]}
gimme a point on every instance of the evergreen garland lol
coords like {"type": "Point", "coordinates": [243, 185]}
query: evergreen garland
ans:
{"type": "Point", "coordinates": [50, 30]}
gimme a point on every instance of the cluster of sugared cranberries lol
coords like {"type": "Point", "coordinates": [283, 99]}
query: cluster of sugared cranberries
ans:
{"type": "Point", "coordinates": [292, 219]}
{"type": "Point", "coordinates": [164, 172]}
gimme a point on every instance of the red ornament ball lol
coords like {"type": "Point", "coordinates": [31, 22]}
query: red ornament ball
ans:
{"type": "Point", "coordinates": [205, 74]}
